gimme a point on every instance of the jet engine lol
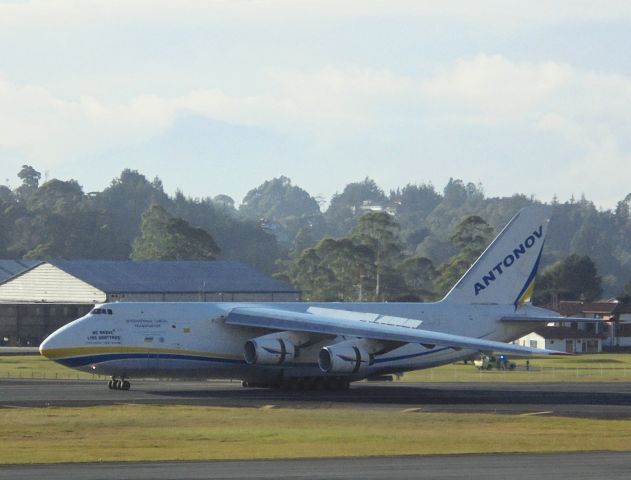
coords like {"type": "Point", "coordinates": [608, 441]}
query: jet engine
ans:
{"type": "Point", "coordinates": [344, 357]}
{"type": "Point", "coordinates": [268, 350]}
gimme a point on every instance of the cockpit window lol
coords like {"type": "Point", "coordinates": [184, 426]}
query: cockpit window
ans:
{"type": "Point", "coordinates": [101, 311]}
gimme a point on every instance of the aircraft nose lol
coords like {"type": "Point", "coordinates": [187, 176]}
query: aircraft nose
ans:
{"type": "Point", "coordinates": [50, 343]}
{"type": "Point", "coordinates": [44, 348]}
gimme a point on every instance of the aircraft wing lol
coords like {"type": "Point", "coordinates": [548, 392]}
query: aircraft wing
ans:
{"type": "Point", "coordinates": [286, 320]}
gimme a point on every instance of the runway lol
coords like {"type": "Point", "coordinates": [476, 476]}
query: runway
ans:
{"type": "Point", "coordinates": [588, 400]}
{"type": "Point", "coordinates": [578, 466]}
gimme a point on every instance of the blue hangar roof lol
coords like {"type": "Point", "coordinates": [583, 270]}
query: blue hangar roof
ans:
{"type": "Point", "coordinates": [11, 268]}
{"type": "Point", "coordinates": [154, 276]}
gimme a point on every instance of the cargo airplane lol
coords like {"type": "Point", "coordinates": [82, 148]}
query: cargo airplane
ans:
{"type": "Point", "coordinates": [318, 345]}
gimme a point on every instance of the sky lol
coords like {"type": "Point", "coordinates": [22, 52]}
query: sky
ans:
{"type": "Point", "coordinates": [218, 96]}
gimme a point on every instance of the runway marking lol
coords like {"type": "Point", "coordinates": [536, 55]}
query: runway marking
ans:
{"type": "Point", "coordinates": [530, 414]}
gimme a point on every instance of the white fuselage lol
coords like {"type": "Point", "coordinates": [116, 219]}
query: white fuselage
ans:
{"type": "Point", "coordinates": [191, 339]}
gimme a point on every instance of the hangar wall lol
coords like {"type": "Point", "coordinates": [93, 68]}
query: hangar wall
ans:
{"type": "Point", "coordinates": [47, 295]}
{"type": "Point", "coordinates": [27, 324]}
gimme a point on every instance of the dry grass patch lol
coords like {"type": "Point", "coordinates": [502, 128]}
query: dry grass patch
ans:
{"type": "Point", "coordinates": [142, 432]}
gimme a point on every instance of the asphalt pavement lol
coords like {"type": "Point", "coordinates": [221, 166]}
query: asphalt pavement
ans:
{"type": "Point", "coordinates": [581, 399]}
{"type": "Point", "coordinates": [577, 466]}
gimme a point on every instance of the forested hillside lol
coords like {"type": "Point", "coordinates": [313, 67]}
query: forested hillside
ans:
{"type": "Point", "coordinates": [410, 243]}
{"type": "Point", "coordinates": [59, 220]}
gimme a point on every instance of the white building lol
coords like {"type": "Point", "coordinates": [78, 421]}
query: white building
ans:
{"type": "Point", "coordinates": [563, 339]}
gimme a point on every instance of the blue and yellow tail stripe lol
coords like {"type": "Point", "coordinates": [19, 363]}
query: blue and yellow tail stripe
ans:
{"type": "Point", "coordinates": [526, 292]}
{"type": "Point", "coordinates": [527, 295]}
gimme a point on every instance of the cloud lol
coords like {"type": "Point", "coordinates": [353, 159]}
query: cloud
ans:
{"type": "Point", "coordinates": [327, 101]}
{"type": "Point", "coordinates": [584, 113]}
{"type": "Point", "coordinates": [495, 14]}
{"type": "Point", "coordinates": [49, 129]}
{"type": "Point", "coordinates": [548, 96]}
{"type": "Point", "coordinates": [494, 86]}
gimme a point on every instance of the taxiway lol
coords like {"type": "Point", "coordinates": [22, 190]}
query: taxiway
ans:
{"type": "Point", "coordinates": [578, 466]}
{"type": "Point", "coordinates": [581, 399]}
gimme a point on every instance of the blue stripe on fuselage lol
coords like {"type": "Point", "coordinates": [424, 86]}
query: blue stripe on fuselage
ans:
{"type": "Point", "coordinates": [107, 357]}
{"type": "Point", "coordinates": [74, 362]}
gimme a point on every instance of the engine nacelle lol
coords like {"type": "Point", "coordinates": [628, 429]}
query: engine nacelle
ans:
{"type": "Point", "coordinates": [345, 357]}
{"type": "Point", "coordinates": [268, 350]}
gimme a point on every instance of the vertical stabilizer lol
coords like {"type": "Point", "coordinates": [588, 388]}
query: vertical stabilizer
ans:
{"type": "Point", "coordinates": [505, 272]}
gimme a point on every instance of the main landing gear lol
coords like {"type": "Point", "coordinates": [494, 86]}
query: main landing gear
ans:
{"type": "Point", "coordinates": [118, 384]}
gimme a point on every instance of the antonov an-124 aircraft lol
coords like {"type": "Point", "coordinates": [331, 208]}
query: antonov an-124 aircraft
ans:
{"type": "Point", "coordinates": [318, 345]}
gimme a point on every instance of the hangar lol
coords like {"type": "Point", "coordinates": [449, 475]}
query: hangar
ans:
{"type": "Point", "coordinates": [41, 296]}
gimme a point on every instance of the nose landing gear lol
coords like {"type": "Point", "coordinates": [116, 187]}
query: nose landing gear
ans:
{"type": "Point", "coordinates": [118, 384]}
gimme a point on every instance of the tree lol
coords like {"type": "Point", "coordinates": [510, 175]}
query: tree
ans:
{"type": "Point", "coordinates": [6, 195]}
{"type": "Point", "coordinates": [30, 181]}
{"type": "Point", "coordinates": [358, 267]}
{"type": "Point", "coordinates": [280, 206]}
{"type": "Point", "coordinates": [239, 239]}
{"type": "Point", "coordinates": [8, 208]}
{"type": "Point", "coordinates": [345, 207]}
{"type": "Point", "coordinates": [622, 214]}
{"type": "Point", "coordinates": [416, 201]}
{"type": "Point", "coordinates": [166, 238]}
{"type": "Point", "coordinates": [333, 270]}
{"type": "Point", "coordinates": [379, 231]}
{"type": "Point", "coordinates": [470, 236]}
{"type": "Point", "coordinates": [304, 239]}
{"type": "Point", "coordinates": [419, 275]}
{"type": "Point", "coordinates": [58, 221]}
{"type": "Point", "coordinates": [454, 193]}
{"type": "Point", "coordinates": [573, 278]}
{"type": "Point", "coordinates": [312, 276]}
{"type": "Point", "coordinates": [125, 200]}
{"type": "Point", "coordinates": [277, 199]}
{"type": "Point", "coordinates": [224, 201]}
{"type": "Point", "coordinates": [625, 297]}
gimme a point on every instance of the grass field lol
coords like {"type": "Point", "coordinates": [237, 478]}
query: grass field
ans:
{"type": "Point", "coordinates": [578, 368]}
{"type": "Point", "coordinates": [35, 366]}
{"type": "Point", "coordinates": [592, 368]}
{"type": "Point", "coordinates": [146, 432]}
{"type": "Point", "coordinates": [143, 432]}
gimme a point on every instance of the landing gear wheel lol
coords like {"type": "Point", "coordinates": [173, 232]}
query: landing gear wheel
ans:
{"type": "Point", "coordinates": [118, 384]}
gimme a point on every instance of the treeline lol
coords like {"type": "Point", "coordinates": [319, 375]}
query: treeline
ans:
{"type": "Point", "coordinates": [410, 243]}
{"type": "Point", "coordinates": [59, 220]}
{"type": "Point", "coordinates": [433, 238]}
